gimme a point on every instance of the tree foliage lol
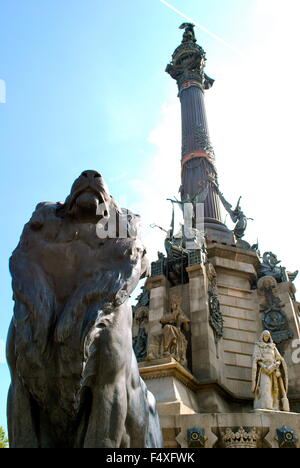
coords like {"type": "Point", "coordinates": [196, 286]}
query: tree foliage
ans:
{"type": "Point", "coordinates": [3, 439]}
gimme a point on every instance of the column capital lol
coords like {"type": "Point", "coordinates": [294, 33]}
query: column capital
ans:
{"type": "Point", "coordinates": [188, 62]}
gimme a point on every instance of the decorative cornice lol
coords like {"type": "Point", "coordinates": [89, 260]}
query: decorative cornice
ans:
{"type": "Point", "coordinates": [234, 253]}
{"type": "Point", "coordinates": [168, 368]}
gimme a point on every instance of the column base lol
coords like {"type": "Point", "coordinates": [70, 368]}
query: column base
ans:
{"type": "Point", "coordinates": [218, 232]}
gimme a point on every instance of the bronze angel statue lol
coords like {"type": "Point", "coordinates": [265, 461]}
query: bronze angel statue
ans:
{"type": "Point", "coordinates": [237, 215]}
{"type": "Point", "coordinates": [269, 376]}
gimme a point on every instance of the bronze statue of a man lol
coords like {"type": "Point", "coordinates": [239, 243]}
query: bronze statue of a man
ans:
{"type": "Point", "coordinates": [75, 381]}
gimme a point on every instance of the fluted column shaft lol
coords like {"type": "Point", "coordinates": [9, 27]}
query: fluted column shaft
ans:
{"type": "Point", "coordinates": [198, 169]}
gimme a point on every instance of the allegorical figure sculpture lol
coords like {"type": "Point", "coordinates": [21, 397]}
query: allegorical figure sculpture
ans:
{"type": "Point", "coordinates": [237, 216]}
{"type": "Point", "coordinates": [270, 266]}
{"type": "Point", "coordinates": [216, 320]}
{"type": "Point", "coordinates": [269, 376]}
{"type": "Point", "coordinates": [170, 341]}
{"type": "Point", "coordinates": [274, 317]}
{"type": "Point", "coordinates": [74, 376]}
{"type": "Point", "coordinates": [140, 341]}
{"type": "Point", "coordinates": [174, 342]}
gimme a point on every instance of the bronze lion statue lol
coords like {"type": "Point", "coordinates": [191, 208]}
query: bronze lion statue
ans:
{"type": "Point", "coordinates": [74, 377]}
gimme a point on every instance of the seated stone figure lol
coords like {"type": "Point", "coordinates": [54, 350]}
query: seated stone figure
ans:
{"type": "Point", "coordinates": [75, 381]}
{"type": "Point", "coordinates": [171, 341]}
{"type": "Point", "coordinates": [174, 342]}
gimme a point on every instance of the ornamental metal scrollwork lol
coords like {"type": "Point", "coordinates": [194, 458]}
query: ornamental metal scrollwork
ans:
{"type": "Point", "coordinates": [215, 318]}
{"type": "Point", "coordinates": [202, 139]}
{"type": "Point", "coordinates": [274, 318]}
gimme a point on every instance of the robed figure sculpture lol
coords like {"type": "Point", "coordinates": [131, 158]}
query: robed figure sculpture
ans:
{"type": "Point", "coordinates": [269, 376]}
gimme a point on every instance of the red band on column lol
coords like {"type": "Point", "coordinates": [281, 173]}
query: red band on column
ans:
{"type": "Point", "coordinates": [195, 154]}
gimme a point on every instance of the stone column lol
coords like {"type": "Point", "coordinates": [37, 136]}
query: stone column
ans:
{"type": "Point", "coordinates": [159, 293]}
{"type": "Point", "coordinates": [205, 363]}
{"type": "Point", "coordinates": [203, 341]}
{"type": "Point", "coordinates": [199, 173]}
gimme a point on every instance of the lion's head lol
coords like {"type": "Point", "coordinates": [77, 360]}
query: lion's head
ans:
{"type": "Point", "coordinates": [89, 199]}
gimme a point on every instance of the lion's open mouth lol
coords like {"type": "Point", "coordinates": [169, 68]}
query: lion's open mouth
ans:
{"type": "Point", "coordinates": [88, 193]}
{"type": "Point", "coordinates": [89, 202]}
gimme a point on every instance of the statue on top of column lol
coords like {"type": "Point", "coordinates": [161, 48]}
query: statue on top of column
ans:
{"type": "Point", "coordinates": [189, 33]}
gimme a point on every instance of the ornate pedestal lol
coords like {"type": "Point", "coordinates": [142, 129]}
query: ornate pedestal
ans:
{"type": "Point", "coordinates": [226, 307]}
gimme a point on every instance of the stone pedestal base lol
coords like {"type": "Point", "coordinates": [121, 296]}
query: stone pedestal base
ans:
{"type": "Point", "coordinates": [182, 401]}
{"type": "Point", "coordinates": [218, 232]}
{"type": "Point", "coordinates": [173, 386]}
{"type": "Point", "coordinates": [238, 430]}
{"type": "Point", "coordinates": [175, 392]}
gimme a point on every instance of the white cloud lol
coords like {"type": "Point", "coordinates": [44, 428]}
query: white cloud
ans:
{"type": "Point", "coordinates": [119, 177]}
{"type": "Point", "coordinates": [161, 179]}
{"type": "Point", "coordinates": [253, 113]}
{"type": "Point", "coordinates": [2, 352]}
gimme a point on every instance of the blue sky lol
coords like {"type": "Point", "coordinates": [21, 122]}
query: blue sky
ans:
{"type": "Point", "coordinates": [86, 88]}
